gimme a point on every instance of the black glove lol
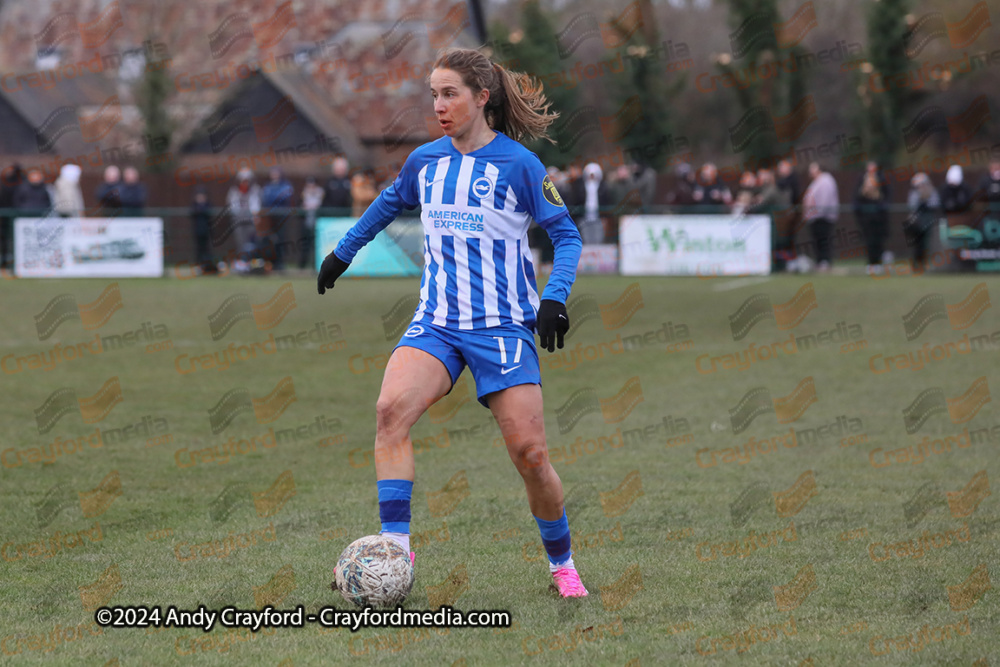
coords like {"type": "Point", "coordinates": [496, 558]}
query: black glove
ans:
{"type": "Point", "coordinates": [333, 267]}
{"type": "Point", "coordinates": [553, 323]}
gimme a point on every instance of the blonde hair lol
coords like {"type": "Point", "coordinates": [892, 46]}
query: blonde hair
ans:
{"type": "Point", "coordinates": [517, 107]}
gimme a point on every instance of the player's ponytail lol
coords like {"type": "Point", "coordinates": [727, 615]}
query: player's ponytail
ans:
{"type": "Point", "coordinates": [517, 107]}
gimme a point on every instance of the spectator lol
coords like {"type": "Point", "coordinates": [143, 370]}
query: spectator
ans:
{"type": "Point", "coordinates": [683, 194]}
{"type": "Point", "coordinates": [769, 197]}
{"type": "Point", "coordinates": [363, 192]}
{"type": "Point", "coordinates": [746, 194]}
{"type": "Point", "coordinates": [623, 198]}
{"type": "Point", "coordinates": [773, 201]}
{"type": "Point", "coordinates": [871, 210]}
{"type": "Point", "coordinates": [109, 197]}
{"type": "Point", "coordinates": [820, 210]}
{"type": "Point", "coordinates": [787, 223]}
{"type": "Point", "coordinates": [67, 196]}
{"type": "Point", "coordinates": [643, 180]}
{"type": "Point", "coordinates": [956, 200]}
{"type": "Point", "coordinates": [338, 189]}
{"type": "Point", "coordinates": [277, 198]}
{"type": "Point", "coordinates": [594, 195]}
{"type": "Point", "coordinates": [989, 188]}
{"type": "Point", "coordinates": [243, 201]}
{"type": "Point", "coordinates": [621, 186]}
{"type": "Point", "coordinates": [313, 197]}
{"type": "Point", "coordinates": [133, 193]}
{"type": "Point", "coordinates": [11, 178]}
{"type": "Point", "coordinates": [709, 191]}
{"type": "Point", "coordinates": [788, 181]}
{"type": "Point", "coordinates": [32, 197]}
{"type": "Point", "coordinates": [573, 196]}
{"type": "Point", "coordinates": [201, 222]}
{"type": "Point", "coordinates": [924, 204]}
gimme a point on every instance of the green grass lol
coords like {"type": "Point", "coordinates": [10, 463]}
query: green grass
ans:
{"type": "Point", "coordinates": [490, 532]}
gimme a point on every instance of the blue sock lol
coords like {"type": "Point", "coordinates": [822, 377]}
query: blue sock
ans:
{"type": "Point", "coordinates": [394, 505]}
{"type": "Point", "coordinates": [555, 538]}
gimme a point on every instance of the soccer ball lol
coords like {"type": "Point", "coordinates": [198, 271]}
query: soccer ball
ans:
{"type": "Point", "coordinates": [374, 570]}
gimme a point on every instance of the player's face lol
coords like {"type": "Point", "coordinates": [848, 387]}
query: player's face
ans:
{"type": "Point", "coordinates": [454, 104]}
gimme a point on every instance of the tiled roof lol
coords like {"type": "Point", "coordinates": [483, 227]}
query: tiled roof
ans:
{"type": "Point", "coordinates": [366, 70]}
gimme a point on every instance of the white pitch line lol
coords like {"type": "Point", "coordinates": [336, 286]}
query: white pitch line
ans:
{"type": "Point", "coordinates": [738, 283]}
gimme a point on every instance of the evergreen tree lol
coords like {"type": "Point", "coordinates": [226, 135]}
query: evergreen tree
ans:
{"type": "Point", "coordinates": [536, 52]}
{"type": "Point", "coordinates": [886, 110]}
{"type": "Point", "coordinates": [151, 94]}
{"type": "Point", "coordinates": [756, 50]}
{"type": "Point", "coordinates": [643, 106]}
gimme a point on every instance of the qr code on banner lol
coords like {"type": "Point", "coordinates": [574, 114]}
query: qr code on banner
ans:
{"type": "Point", "coordinates": [41, 243]}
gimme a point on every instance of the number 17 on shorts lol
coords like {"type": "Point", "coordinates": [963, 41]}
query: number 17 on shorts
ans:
{"type": "Point", "coordinates": [503, 354]}
{"type": "Point", "coordinates": [512, 361]}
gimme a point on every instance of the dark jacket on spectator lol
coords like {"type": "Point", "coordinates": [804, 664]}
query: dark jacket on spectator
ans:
{"type": "Point", "coordinates": [33, 198]}
{"type": "Point", "coordinates": [955, 198]}
{"type": "Point", "coordinates": [277, 194]}
{"type": "Point", "coordinates": [201, 221]}
{"type": "Point", "coordinates": [865, 206]}
{"type": "Point", "coordinates": [711, 194]}
{"type": "Point", "coordinates": [923, 208]}
{"type": "Point", "coordinates": [574, 194]}
{"type": "Point", "coordinates": [109, 196]}
{"type": "Point", "coordinates": [132, 197]}
{"type": "Point", "coordinates": [683, 194]}
{"type": "Point", "coordinates": [201, 216]}
{"type": "Point", "coordinates": [790, 184]}
{"type": "Point", "coordinates": [578, 196]}
{"type": "Point", "coordinates": [338, 193]}
{"type": "Point", "coordinates": [10, 180]}
{"type": "Point", "coordinates": [989, 191]}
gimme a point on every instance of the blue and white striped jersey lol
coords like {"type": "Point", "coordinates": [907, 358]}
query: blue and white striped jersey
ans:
{"type": "Point", "coordinates": [475, 210]}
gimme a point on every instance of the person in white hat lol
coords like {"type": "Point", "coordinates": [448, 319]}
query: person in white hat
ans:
{"type": "Point", "coordinates": [67, 199]}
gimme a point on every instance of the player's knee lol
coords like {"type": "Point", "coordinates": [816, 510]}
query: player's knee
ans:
{"type": "Point", "coordinates": [531, 459]}
{"type": "Point", "coordinates": [387, 416]}
{"type": "Point", "coordinates": [397, 413]}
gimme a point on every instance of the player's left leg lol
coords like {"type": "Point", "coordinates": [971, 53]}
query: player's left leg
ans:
{"type": "Point", "coordinates": [504, 363]}
{"type": "Point", "coordinates": [518, 411]}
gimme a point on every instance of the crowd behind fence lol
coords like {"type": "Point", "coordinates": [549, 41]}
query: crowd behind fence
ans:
{"type": "Point", "coordinates": [270, 222]}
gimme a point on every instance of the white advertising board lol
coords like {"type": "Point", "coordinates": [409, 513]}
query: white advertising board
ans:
{"type": "Point", "coordinates": [56, 247]}
{"type": "Point", "coordinates": [695, 245]}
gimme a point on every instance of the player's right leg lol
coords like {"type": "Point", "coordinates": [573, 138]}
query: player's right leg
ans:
{"type": "Point", "coordinates": [414, 379]}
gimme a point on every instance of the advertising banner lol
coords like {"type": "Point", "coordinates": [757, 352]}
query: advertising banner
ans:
{"type": "Point", "coordinates": [56, 247]}
{"type": "Point", "coordinates": [600, 258]}
{"type": "Point", "coordinates": [695, 245]}
{"type": "Point", "coordinates": [397, 251]}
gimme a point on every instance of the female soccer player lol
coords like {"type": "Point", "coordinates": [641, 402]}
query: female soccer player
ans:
{"type": "Point", "coordinates": [478, 190]}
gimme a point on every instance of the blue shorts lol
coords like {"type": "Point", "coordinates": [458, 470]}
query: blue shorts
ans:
{"type": "Point", "coordinates": [499, 357]}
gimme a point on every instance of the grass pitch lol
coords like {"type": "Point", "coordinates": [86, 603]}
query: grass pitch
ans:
{"type": "Point", "coordinates": [765, 471]}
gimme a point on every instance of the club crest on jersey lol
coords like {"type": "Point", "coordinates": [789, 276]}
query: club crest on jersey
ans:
{"type": "Point", "coordinates": [550, 192]}
{"type": "Point", "coordinates": [482, 187]}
